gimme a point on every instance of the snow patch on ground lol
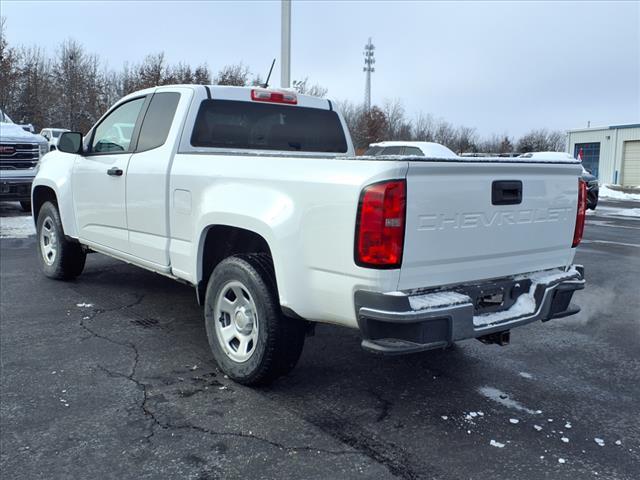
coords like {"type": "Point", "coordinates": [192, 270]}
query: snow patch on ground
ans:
{"type": "Point", "coordinates": [493, 443]}
{"type": "Point", "coordinates": [502, 398]}
{"type": "Point", "coordinates": [619, 212]}
{"type": "Point", "coordinates": [525, 375]}
{"type": "Point", "coordinates": [606, 192]}
{"type": "Point", "coordinates": [16, 227]}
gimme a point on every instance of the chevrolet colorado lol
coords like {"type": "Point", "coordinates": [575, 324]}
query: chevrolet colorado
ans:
{"type": "Point", "coordinates": [254, 197]}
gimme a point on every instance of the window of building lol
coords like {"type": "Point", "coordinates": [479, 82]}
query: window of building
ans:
{"type": "Point", "coordinates": [590, 155]}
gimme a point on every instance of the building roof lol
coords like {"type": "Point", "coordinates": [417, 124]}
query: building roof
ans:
{"type": "Point", "coordinates": [610, 127]}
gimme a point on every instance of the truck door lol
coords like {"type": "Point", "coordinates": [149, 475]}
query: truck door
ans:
{"type": "Point", "coordinates": [148, 176]}
{"type": "Point", "coordinates": [98, 182]}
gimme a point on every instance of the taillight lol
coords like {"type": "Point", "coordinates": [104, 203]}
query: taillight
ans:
{"type": "Point", "coordinates": [380, 225]}
{"type": "Point", "coordinates": [580, 214]}
{"type": "Point", "coordinates": [274, 97]}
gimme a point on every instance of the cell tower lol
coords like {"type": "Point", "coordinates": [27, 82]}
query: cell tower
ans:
{"type": "Point", "coordinates": [369, 62]}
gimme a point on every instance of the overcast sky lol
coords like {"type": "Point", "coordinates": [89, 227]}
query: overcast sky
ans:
{"type": "Point", "coordinates": [497, 66]}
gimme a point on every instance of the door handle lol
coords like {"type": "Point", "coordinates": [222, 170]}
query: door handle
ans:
{"type": "Point", "coordinates": [114, 172]}
{"type": "Point", "coordinates": [506, 192]}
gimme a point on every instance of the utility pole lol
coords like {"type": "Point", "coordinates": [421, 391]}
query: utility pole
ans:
{"type": "Point", "coordinates": [285, 45]}
{"type": "Point", "coordinates": [369, 62]}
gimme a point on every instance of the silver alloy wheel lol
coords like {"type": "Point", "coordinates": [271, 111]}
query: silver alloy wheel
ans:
{"type": "Point", "coordinates": [236, 321]}
{"type": "Point", "coordinates": [48, 241]}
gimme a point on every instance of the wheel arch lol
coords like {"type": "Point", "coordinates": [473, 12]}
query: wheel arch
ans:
{"type": "Point", "coordinates": [219, 241]}
{"type": "Point", "coordinates": [40, 195]}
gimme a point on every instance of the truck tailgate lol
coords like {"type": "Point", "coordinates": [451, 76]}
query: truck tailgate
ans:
{"type": "Point", "coordinates": [465, 221]}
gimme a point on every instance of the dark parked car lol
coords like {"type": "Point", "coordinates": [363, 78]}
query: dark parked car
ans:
{"type": "Point", "coordinates": [592, 188]}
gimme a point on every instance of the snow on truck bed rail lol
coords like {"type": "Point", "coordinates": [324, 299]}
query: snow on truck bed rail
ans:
{"type": "Point", "coordinates": [417, 158]}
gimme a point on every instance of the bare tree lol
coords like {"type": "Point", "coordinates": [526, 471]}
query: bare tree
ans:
{"type": "Point", "coordinates": [35, 88]}
{"type": "Point", "coordinates": [541, 140]}
{"type": "Point", "coordinates": [445, 134]}
{"type": "Point", "coordinates": [557, 141]}
{"type": "Point", "coordinates": [424, 128]}
{"type": "Point", "coordinates": [202, 75]}
{"type": "Point", "coordinates": [303, 88]}
{"type": "Point", "coordinates": [9, 72]}
{"type": "Point", "coordinates": [372, 127]}
{"type": "Point", "coordinates": [465, 140]}
{"type": "Point", "coordinates": [151, 72]}
{"type": "Point", "coordinates": [69, 75]}
{"type": "Point", "coordinates": [237, 75]}
{"type": "Point", "coordinates": [395, 118]}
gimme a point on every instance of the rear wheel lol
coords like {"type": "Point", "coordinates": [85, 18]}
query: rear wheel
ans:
{"type": "Point", "coordinates": [25, 205]}
{"type": "Point", "coordinates": [250, 338]}
{"type": "Point", "coordinates": [59, 258]}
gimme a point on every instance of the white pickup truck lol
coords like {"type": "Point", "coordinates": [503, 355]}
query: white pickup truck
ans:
{"type": "Point", "coordinates": [254, 197]}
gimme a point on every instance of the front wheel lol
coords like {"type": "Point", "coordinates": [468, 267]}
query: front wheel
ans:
{"type": "Point", "coordinates": [60, 258]}
{"type": "Point", "coordinates": [250, 338]}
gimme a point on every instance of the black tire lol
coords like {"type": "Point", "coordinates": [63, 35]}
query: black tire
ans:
{"type": "Point", "coordinates": [279, 338]}
{"type": "Point", "coordinates": [25, 205]}
{"type": "Point", "coordinates": [68, 260]}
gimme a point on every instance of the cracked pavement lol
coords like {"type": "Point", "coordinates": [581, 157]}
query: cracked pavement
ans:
{"type": "Point", "coordinates": [110, 376]}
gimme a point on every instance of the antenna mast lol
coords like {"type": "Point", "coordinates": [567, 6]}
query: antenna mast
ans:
{"type": "Point", "coordinates": [369, 62]}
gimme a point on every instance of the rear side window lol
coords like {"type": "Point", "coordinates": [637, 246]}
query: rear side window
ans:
{"type": "Point", "coordinates": [372, 151]}
{"type": "Point", "coordinates": [392, 151]}
{"type": "Point", "coordinates": [413, 151]}
{"type": "Point", "coordinates": [158, 120]}
{"type": "Point", "coordinates": [264, 126]}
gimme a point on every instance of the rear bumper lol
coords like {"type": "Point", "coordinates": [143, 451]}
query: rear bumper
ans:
{"type": "Point", "coordinates": [404, 322]}
{"type": "Point", "coordinates": [15, 188]}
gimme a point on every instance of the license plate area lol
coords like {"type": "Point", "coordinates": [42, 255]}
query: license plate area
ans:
{"type": "Point", "coordinates": [495, 296]}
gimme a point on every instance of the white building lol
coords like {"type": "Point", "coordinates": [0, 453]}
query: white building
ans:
{"type": "Point", "coordinates": [611, 153]}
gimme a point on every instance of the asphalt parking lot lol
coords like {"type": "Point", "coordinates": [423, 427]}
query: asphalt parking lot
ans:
{"type": "Point", "coordinates": [110, 376]}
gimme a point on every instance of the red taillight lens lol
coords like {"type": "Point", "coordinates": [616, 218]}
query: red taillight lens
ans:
{"type": "Point", "coordinates": [581, 213]}
{"type": "Point", "coordinates": [380, 225]}
{"type": "Point", "coordinates": [274, 97]}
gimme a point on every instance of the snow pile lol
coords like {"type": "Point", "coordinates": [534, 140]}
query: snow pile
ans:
{"type": "Point", "coordinates": [606, 192]}
{"type": "Point", "coordinates": [619, 212]}
{"type": "Point", "coordinates": [502, 398]}
{"type": "Point", "coordinates": [526, 302]}
{"type": "Point", "coordinates": [493, 443]}
{"type": "Point", "coordinates": [16, 227]}
{"type": "Point", "coordinates": [525, 305]}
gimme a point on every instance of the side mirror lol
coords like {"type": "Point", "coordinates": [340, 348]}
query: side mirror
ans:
{"type": "Point", "coordinates": [70, 142]}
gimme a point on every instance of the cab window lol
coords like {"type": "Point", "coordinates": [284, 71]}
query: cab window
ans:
{"type": "Point", "coordinates": [115, 132]}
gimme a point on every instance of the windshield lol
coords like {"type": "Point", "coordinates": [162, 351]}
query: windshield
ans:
{"type": "Point", "coordinates": [56, 133]}
{"type": "Point", "coordinates": [266, 126]}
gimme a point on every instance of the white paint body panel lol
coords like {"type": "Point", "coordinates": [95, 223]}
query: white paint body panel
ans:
{"type": "Point", "coordinates": [454, 234]}
{"type": "Point", "coordinates": [305, 207]}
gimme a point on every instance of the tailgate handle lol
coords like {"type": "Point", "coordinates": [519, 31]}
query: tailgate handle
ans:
{"type": "Point", "coordinates": [506, 192]}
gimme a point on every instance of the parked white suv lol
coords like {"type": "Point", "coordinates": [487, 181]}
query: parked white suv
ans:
{"type": "Point", "coordinates": [255, 198]}
{"type": "Point", "coordinates": [52, 135]}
